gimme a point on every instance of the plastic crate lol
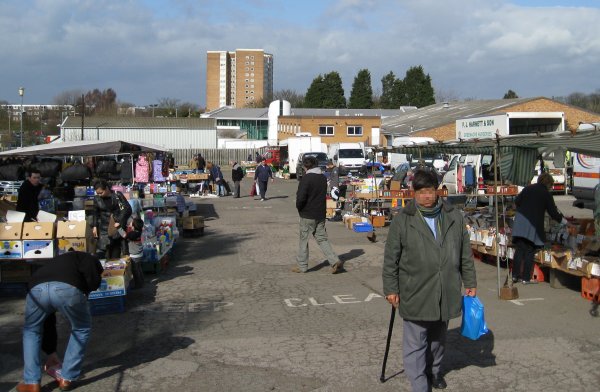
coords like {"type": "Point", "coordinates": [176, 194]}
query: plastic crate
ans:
{"type": "Point", "coordinates": [110, 305]}
{"type": "Point", "coordinates": [590, 289]}
{"type": "Point", "coordinates": [362, 227]}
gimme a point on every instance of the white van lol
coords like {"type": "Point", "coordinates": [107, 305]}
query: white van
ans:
{"type": "Point", "coordinates": [586, 175]}
{"type": "Point", "coordinates": [469, 174]}
{"type": "Point", "coordinates": [349, 157]}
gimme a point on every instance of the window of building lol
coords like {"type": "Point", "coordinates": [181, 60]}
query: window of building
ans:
{"type": "Point", "coordinates": [326, 130]}
{"type": "Point", "coordinates": [246, 69]}
{"type": "Point", "coordinates": [251, 57]}
{"type": "Point", "coordinates": [252, 63]}
{"type": "Point", "coordinates": [246, 74]}
{"type": "Point", "coordinates": [355, 130]}
{"type": "Point", "coordinates": [252, 74]}
{"type": "Point", "coordinates": [247, 57]}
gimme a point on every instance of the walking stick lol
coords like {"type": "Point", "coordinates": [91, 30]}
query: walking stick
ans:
{"type": "Point", "coordinates": [387, 345]}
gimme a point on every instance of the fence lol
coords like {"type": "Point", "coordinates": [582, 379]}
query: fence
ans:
{"type": "Point", "coordinates": [219, 156]}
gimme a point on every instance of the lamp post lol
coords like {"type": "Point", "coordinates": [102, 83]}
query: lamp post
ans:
{"type": "Point", "coordinates": [21, 92]}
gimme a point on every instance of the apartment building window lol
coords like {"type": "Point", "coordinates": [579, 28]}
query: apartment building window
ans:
{"type": "Point", "coordinates": [246, 74]}
{"type": "Point", "coordinates": [355, 130]}
{"type": "Point", "coordinates": [326, 130]}
{"type": "Point", "coordinates": [252, 63]}
{"type": "Point", "coordinates": [251, 80]}
{"type": "Point", "coordinates": [252, 74]}
{"type": "Point", "coordinates": [247, 57]}
{"type": "Point", "coordinates": [246, 69]}
{"type": "Point", "coordinates": [252, 69]}
{"type": "Point", "coordinates": [251, 57]}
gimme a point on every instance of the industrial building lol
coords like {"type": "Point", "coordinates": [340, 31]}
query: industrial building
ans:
{"type": "Point", "coordinates": [170, 133]}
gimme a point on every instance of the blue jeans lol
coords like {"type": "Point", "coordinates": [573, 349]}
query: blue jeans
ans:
{"type": "Point", "coordinates": [42, 300]}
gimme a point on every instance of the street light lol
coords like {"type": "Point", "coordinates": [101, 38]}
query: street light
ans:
{"type": "Point", "coordinates": [21, 92]}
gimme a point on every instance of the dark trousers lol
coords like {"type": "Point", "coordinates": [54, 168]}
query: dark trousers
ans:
{"type": "Point", "coordinates": [236, 188]}
{"type": "Point", "coordinates": [262, 187]}
{"type": "Point", "coordinates": [524, 255]}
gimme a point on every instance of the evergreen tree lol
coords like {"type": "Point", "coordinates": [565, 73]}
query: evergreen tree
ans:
{"type": "Point", "coordinates": [510, 94]}
{"type": "Point", "coordinates": [398, 94]}
{"type": "Point", "coordinates": [333, 92]}
{"type": "Point", "coordinates": [386, 100]}
{"type": "Point", "coordinates": [417, 86]}
{"type": "Point", "coordinates": [361, 96]}
{"type": "Point", "coordinates": [314, 95]}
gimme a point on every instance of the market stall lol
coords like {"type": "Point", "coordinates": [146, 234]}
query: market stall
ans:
{"type": "Point", "coordinates": [514, 160]}
{"type": "Point", "coordinates": [143, 177]}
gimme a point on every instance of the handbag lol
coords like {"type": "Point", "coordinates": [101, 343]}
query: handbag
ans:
{"type": "Point", "coordinates": [473, 324]}
{"type": "Point", "coordinates": [253, 190]}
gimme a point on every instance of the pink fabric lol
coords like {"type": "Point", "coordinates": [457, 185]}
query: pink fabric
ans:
{"type": "Point", "coordinates": [142, 170]}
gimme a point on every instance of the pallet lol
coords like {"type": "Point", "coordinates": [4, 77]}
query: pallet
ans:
{"type": "Point", "coordinates": [199, 232]}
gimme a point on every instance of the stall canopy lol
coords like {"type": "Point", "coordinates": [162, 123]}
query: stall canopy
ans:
{"type": "Point", "coordinates": [518, 152]}
{"type": "Point", "coordinates": [83, 148]}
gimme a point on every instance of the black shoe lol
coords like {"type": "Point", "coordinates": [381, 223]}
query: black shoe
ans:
{"type": "Point", "coordinates": [438, 382]}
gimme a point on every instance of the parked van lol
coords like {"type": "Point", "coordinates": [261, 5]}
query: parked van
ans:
{"type": "Point", "coordinates": [586, 175]}
{"type": "Point", "coordinates": [349, 157]}
{"type": "Point", "coordinates": [468, 174]}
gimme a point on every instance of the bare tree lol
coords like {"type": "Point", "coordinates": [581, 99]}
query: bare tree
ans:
{"type": "Point", "coordinates": [295, 99]}
{"type": "Point", "coordinates": [168, 103]}
{"type": "Point", "coordinates": [68, 97]}
{"type": "Point", "coordinates": [446, 95]}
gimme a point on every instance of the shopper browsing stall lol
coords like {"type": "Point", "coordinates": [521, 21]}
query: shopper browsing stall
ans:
{"type": "Point", "coordinates": [111, 211]}
{"type": "Point", "coordinates": [528, 232]}
{"type": "Point", "coordinates": [237, 175]}
{"type": "Point", "coordinates": [133, 236]}
{"type": "Point", "coordinates": [62, 285]}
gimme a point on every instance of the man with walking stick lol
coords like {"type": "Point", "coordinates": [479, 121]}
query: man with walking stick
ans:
{"type": "Point", "coordinates": [427, 257]}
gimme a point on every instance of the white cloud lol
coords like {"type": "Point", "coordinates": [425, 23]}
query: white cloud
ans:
{"type": "Point", "coordinates": [476, 48]}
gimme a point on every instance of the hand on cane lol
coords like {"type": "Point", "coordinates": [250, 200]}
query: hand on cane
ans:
{"type": "Point", "coordinates": [393, 299]}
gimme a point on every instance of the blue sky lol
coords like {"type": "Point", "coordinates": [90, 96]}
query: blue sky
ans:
{"type": "Point", "coordinates": [150, 49]}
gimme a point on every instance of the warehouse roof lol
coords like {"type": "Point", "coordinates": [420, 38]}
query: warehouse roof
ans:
{"type": "Point", "coordinates": [444, 113]}
{"type": "Point", "coordinates": [140, 122]}
{"type": "Point", "coordinates": [263, 113]}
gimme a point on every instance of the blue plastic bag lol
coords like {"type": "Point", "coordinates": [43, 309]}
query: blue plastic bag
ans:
{"type": "Point", "coordinates": [473, 321]}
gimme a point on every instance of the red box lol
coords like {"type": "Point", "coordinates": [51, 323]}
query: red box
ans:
{"type": "Point", "coordinates": [538, 274]}
{"type": "Point", "coordinates": [590, 289]}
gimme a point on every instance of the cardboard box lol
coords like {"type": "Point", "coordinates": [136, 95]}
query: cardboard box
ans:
{"type": "Point", "coordinates": [65, 245]}
{"type": "Point", "coordinates": [38, 249]}
{"type": "Point", "coordinates": [350, 221]}
{"type": "Point", "coordinates": [114, 283]}
{"type": "Point", "coordinates": [11, 250]}
{"type": "Point", "coordinates": [329, 212]}
{"type": "Point", "coordinates": [11, 231]}
{"type": "Point", "coordinates": [395, 185]}
{"type": "Point", "coordinates": [193, 222]}
{"type": "Point", "coordinates": [377, 221]}
{"type": "Point", "coordinates": [330, 203]}
{"type": "Point", "coordinates": [15, 272]}
{"type": "Point", "coordinates": [74, 235]}
{"type": "Point", "coordinates": [560, 259]}
{"type": "Point", "coordinates": [38, 231]}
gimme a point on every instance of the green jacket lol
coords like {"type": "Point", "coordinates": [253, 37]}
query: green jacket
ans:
{"type": "Point", "coordinates": [425, 272]}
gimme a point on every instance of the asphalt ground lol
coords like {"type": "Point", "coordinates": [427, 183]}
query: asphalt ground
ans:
{"type": "Point", "coordinates": [228, 315]}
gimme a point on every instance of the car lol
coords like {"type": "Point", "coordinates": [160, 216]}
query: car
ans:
{"type": "Point", "coordinates": [321, 158]}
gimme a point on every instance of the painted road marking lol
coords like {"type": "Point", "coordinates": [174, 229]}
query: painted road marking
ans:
{"type": "Point", "coordinates": [339, 299]}
{"type": "Point", "coordinates": [521, 300]}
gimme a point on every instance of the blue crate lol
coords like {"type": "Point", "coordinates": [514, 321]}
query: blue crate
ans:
{"type": "Point", "coordinates": [109, 305]}
{"type": "Point", "coordinates": [362, 227]}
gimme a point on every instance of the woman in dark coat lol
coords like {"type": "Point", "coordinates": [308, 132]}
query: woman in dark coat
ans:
{"type": "Point", "coordinates": [107, 204]}
{"type": "Point", "coordinates": [528, 231]}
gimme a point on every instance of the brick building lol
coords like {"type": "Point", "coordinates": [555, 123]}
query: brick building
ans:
{"type": "Point", "coordinates": [238, 79]}
{"type": "Point", "coordinates": [439, 120]}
